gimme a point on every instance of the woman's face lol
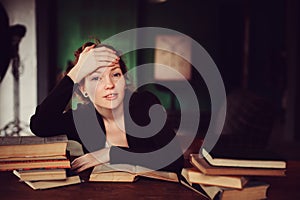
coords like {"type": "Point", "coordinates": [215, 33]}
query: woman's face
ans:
{"type": "Point", "coordinates": [106, 87]}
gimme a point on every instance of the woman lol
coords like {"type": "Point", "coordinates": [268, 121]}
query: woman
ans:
{"type": "Point", "coordinates": [101, 125]}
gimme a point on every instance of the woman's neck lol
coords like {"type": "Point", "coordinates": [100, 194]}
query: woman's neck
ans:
{"type": "Point", "coordinates": [112, 115]}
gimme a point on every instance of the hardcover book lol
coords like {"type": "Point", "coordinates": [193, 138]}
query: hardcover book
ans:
{"type": "Point", "coordinates": [195, 176]}
{"type": "Point", "coordinates": [32, 146]}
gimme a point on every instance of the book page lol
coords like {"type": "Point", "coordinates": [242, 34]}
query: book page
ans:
{"type": "Point", "coordinates": [137, 170]}
{"type": "Point", "coordinates": [239, 158]}
{"type": "Point", "coordinates": [211, 191]}
{"type": "Point", "coordinates": [53, 183]}
{"type": "Point", "coordinates": [162, 175]}
{"type": "Point", "coordinates": [115, 176]}
{"type": "Point", "coordinates": [167, 176]}
{"type": "Point", "coordinates": [141, 169]}
{"type": "Point", "coordinates": [114, 167]}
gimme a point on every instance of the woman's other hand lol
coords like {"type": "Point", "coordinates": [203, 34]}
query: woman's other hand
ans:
{"type": "Point", "coordinates": [90, 60]}
{"type": "Point", "coordinates": [90, 160]}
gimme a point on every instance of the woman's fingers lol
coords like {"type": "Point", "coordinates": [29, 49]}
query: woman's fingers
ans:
{"type": "Point", "coordinates": [81, 168]}
{"type": "Point", "coordinates": [105, 56]}
{"type": "Point", "coordinates": [104, 48]}
{"type": "Point", "coordinates": [84, 162]}
{"type": "Point", "coordinates": [90, 160]}
{"type": "Point", "coordinates": [78, 162]}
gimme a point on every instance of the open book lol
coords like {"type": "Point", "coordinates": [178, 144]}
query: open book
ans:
{"type": "Point", "coordinates": [128, 173]}
{"type": "Point", "coordinates": [243, 158]}
{"type": "Point", "coordinates": [202, 165]}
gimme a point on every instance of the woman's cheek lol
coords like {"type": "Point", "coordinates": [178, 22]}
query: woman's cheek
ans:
{"type": "Point", "coordinates": [91, 89]}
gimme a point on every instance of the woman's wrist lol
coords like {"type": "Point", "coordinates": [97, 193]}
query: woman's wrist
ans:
{"type": "Point", "coordinates": [106, 157]}
{"type": "Point", "coordinates": [102, 155]}
{"type": "Point", "coordinates": [74, 75]}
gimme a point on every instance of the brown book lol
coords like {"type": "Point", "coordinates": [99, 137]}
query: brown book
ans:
{"type": "Point", "coordinates": [34, 164]}
{"type": "Point", "coordinates": [34, 158]}
{"type": "Point", "coordinates": [230, 157]}
{"type": "Point", "coordinates": [252, 190]}
{"type": "Point", "coordinates": [128, 173]}
{"type": "Point", "coordinates": [32, 146]}
{"type": "Point", "coordinates": [195, 176]}
{"type": "Point", "coordinates": [41, 174]}
{"type": "Point", "coordinates": [206, 168]}
{"type": "Point", "coordinates": [40, 185]}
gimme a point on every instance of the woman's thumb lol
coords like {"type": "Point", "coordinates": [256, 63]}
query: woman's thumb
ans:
{"type": "Point", "coordinates": [88, 48]}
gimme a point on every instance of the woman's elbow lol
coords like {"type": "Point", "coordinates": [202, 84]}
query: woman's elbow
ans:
{"type": "Point", "coordinates": [36, 127]}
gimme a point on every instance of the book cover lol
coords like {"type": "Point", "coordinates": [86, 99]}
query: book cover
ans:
{"type": "Point", "coordinates": [32, 146]}
{"type": "Point", "coordinates": [195, 176]}
{"type": "Point", "coordinates": [252, 190]}
{"type": "Point", "coordinates": [59, 157]}
{"type": "Point", "coordinates": [202, 165]}
{"type": "Point", "coordinates": [41, 174]}
{"type": "Point", "coordinates": [34, 164]}
{"type": "Point", "coordinates": [29, 140]}
{"type": "Point", "coordinates": [128, 173]}
{"type": "Point", "coordinates": [243, 158]}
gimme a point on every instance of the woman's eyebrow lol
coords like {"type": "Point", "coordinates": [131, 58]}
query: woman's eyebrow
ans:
{"type": "Point", "coordinates": [95, 73]}
{"type": "Point", "coordinates": [114, 68]}
{"type": "Point", "coordinates": [101, 72]}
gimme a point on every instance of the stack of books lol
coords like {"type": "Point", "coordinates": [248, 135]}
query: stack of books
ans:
{"type": "Point", "coordinates": [39, 162]}
{"type": "Point", "coordinates": [231, 174]}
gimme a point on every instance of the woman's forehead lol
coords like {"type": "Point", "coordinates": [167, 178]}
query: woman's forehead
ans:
{"type": "Point", "coordinates": [101, 70]}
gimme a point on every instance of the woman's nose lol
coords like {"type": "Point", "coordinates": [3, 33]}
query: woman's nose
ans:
{"type": "Point", "coordinates": [108, 83]}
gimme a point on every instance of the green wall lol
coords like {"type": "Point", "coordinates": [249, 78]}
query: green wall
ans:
{"type": "Point", "coordinates": [80, 21]}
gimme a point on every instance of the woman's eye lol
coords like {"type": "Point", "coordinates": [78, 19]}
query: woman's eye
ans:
{"type": "Point", "coordinates": [96, 78]}
{"type": "Point", "coordinates": [117, 74]}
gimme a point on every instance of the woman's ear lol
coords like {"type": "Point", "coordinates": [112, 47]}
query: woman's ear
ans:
{"type": "Point", "coordinates": [82, 90]}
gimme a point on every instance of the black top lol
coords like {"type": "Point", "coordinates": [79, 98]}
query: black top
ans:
{"type": "Point", "coordinates": [86, 126]}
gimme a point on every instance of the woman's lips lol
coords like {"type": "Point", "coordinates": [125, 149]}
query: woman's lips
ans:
{"type": "Point", "coordinates": [111, 96]}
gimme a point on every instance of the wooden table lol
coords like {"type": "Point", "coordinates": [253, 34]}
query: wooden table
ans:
{"type": "Point", "coordinates": [10, 188]}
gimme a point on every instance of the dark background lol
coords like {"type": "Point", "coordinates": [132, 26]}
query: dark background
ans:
{"type": "Point", "coordinates": [254, 43]}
